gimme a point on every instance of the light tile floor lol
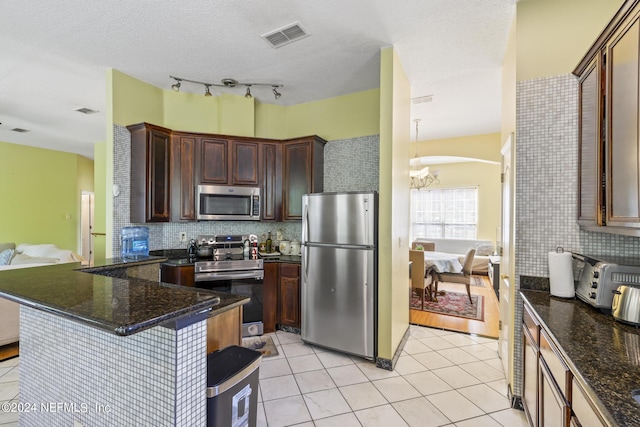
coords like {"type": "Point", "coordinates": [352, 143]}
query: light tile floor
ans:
{"type": "Point", "coordinates": [442, 378]}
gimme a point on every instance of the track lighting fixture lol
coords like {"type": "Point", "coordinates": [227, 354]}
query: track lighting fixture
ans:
{"type": "Point", "coordinates": [228, 83]}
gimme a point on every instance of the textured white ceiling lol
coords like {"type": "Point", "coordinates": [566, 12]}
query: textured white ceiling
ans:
{"type": "Point", "coordinates": [55, 53]}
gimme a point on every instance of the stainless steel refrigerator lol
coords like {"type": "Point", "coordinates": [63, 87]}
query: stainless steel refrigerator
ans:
{"type": "Point", "coordinates": [339, 271]}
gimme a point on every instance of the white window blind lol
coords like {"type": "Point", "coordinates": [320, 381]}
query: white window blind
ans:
{"type": "Point", "coordinates": [445, 213]}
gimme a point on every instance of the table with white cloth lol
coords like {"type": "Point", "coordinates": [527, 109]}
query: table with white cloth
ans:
{"type": "Point", "coordinates": [442, 262]}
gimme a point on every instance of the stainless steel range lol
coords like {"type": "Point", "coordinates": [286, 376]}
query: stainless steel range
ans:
{"type": "Point", "coordinates": [235, 268]}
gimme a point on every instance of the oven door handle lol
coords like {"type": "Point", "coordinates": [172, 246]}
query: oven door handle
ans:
{"type": "Point", "coordinates": [211, 277]}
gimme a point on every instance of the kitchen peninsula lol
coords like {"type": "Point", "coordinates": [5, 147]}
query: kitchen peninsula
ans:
{"type": "Point", "coordinates": [111, 345]}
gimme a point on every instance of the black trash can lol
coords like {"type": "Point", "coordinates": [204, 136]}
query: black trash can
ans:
{"type": "Point", "coordinates": [232, 387]}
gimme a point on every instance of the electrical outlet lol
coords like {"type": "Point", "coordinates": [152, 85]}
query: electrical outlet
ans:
{"type": "Point", "coordinates": [183, 236]}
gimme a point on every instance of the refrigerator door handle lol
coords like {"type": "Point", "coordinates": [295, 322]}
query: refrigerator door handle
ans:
{"type": "Point", "coordinates": [366, 217]}
{"type": "Point", "coordinates": [305, 263]}
{"type": "Point", "coordinates": [305, 220]}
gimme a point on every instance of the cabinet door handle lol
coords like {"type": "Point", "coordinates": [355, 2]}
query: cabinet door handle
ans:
{"type": "Point", "coordinates": [504, 276]}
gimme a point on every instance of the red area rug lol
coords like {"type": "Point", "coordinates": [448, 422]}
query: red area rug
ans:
{"type": "Point", "coordinates": [452, 304]}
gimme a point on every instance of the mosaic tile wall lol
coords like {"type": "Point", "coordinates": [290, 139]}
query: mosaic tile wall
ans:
{"type": "Point", "coordinates": [122, 381]}
{"type": "Point", "coordinates": [350, 165]}
{"type": "Point", "coordinates": [547, 182]}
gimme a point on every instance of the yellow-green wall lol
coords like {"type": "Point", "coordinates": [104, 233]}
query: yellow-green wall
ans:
{"type": "Point", "coordinates": [41, 198]}
{"type": "Point", "coordinates": [484, 147]}
{"type": "Point", "coordinates": [553, 35]}
{"type": "Point", "coordinates": [393, 248]}
{"type": "Point", "coordinates": [341, 117]}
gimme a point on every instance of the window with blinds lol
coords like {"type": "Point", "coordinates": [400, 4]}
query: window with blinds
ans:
{"type": "Point", "coordinates": [445, 213]}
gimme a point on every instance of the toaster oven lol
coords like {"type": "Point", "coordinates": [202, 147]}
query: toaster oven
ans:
{"type": "Point", "coordinates": [596, 278]}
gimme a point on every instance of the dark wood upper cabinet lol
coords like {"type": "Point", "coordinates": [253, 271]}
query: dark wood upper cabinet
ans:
{"type": "Point", "coordinates": [622, 90]}
{"type": "Point", "coordinates": [245, 157]}
{"type": "Point", "coordinates": [590, 166]}
{"type": "Point", "coordinates": [302, 172]}
{"type": "Point", "coordinates": [167, 167]}
{"type": "Point", "coordinates": [150, 173]}
{"type": "Point", "coordinates": [271, 181]}
{"type": "Point", "coordinates": [229, 162]}
{"type": "Point", "coordinates": [183, 181]}
{"type": "Point", "coordinates": [609, 121]}
{"type": "Point", "coordinates": [214, 167]}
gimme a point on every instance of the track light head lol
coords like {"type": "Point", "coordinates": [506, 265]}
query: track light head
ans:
{"type": "Point", "coordinates": [207, 92]}
{"type": "Point", "coordinates": [248, 94]}
{"type": "Point", "coordinates": [176, 85]}
{"type": "Point", "coordinates": [276, 93]}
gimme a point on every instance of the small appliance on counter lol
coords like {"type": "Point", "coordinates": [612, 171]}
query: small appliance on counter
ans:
{"type": "Point", "coordinates": [135, 242]}
{"type": "Point", "coordinates": [597, 278]}
{"type": "Point", "coordinates": [625, 307]}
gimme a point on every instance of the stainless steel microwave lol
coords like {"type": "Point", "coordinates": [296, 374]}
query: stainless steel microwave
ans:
{"type": "Point", "coordinates": [220, 202]}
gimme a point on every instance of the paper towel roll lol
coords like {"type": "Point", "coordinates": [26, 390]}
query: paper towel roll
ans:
{"type": "Point", "coordinates": [561, 274]}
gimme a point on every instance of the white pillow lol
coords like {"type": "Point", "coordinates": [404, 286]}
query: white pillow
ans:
{"type": "Point", "coordinates": [484, 249]}
{"type": "Point", "coordinates": [26, 259]}
{"type": "Point", "coordinates": [48, 250]}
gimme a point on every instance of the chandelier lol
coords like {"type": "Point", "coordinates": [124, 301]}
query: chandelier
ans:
{"type": "Point", "coordinates": [228, 83]}
{"type": "Point", "coordinates": [420, 175]}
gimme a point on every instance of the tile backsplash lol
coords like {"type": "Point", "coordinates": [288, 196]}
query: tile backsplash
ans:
{"type": "Point", "coordinates": [349, 165]}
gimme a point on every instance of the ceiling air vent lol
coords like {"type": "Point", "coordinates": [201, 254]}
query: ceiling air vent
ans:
{"type": "Point", "coordinates": [285, 35]}
{"type": "Point", "coordinates": [19, 130]}
{"type": "Point", "coordinates": [85, 110]}
{"type": "Point", "coordinates": [422, 99]}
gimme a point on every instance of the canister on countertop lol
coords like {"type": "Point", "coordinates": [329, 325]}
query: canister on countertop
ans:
{"type": "Point", "coordinates": [285, 247]}
{"type": "Point", "coordinates": [295, 248]}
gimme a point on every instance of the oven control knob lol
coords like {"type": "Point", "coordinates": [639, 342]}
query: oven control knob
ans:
{"type": "Point", "coordinates": [594, 284]}
{"type": "Point", "coordinates": [592, 295]}
{"type": "Point", "coordinates": [596, 274]}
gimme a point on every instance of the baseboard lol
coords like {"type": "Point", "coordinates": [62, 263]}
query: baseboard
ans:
{"type": "Point", "coordinates": [389, 364]}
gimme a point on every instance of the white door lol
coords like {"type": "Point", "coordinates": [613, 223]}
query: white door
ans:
{"type": "Point", "coordinates": [507, 293]}
{"type": "Point", "coordinates": [86, 226]}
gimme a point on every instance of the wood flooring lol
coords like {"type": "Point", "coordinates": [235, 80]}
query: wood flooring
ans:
{"type": "Point", "coordinates": [487, 328]}
{"type": "Point", "coordinates": [8, 351]}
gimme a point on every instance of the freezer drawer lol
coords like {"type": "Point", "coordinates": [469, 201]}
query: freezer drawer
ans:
{"type": "Point", "coordinates": [339, 299]}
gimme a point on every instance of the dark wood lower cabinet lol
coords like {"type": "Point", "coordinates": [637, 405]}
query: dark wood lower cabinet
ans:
{"type": "Point", "coordinates": [290, 295]}
{"type": "Point", "coordinates": [270, 296]}
{"type": "Point", "coordinates": [281, 294]}
{"type": "Point", "coordinates": [180, 275]}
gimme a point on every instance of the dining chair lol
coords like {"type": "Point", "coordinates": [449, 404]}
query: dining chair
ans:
{"type": "Point", "coordinates": [463, 277]}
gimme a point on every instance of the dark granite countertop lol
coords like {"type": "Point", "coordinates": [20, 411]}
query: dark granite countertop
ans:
{"type": "Point", "coordinates": [603, 354]}
{"type": "Point", "coordinates": [122, 306]}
